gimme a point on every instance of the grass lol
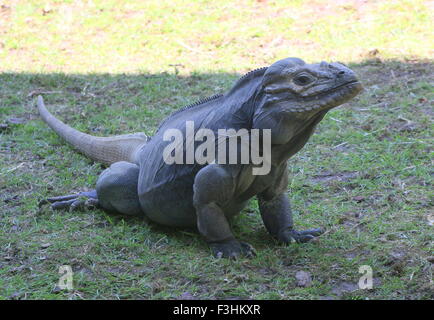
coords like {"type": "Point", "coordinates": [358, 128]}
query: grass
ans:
{"type": "Point", "coordinates": [110, 67]}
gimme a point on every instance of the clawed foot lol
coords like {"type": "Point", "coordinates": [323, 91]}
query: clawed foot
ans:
{"type": "Point", "coordinates": [232, 249]}
{"type": "Point", "coordinates": [291, 235]}
{"type": "Point", "coordinates": [73, 202]}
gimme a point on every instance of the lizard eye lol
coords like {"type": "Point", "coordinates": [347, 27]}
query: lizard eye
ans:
{"type": "Point", "coordinates": [302, 80]}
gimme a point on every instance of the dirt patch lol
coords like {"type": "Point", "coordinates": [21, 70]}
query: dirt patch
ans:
{"type": "Point", "coordinates": [379, 72]}
{"type": "Point", "coordinates": [344, 287]}
{"type": "Point", "coordinates": [327, 176]}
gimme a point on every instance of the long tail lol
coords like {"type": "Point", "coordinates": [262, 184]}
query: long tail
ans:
{"type": "Point", "coordinates": [102, 149]}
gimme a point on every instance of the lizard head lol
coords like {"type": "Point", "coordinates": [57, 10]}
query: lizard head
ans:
{"type": "Point", "coordinates": [301, 88]}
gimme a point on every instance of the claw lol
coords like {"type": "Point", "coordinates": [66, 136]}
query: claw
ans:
{"type": "Point", "coordinates": [314, 232]}
{"type": "Point", "coordinates": [91, 203]}
{"type": "Point", "coordinates": [62, 204]}
{"type": "Point", "coordinates": [77, 204]}
{"type": "Point", "coordinates": [62, 198]}
{"type": "Point", "coordinates": [304, 238]}
{"type": "Point", "coordinates": [233, 256]}
{"type": "Point", "coordinates": [249, 250]}
{"type": "Point", "coordinates": [73, 201]}
{"type": "Point", "coordinates": [290, 235]}
{"type": "Point", "coordinates": [232, 249]}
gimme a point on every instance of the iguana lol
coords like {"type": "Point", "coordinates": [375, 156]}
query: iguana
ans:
{"type": "Point", "coordinates": [289, 97]}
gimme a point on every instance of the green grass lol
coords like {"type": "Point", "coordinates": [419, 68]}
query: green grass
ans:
{"type": "Point", "coordinates": [111, 67]}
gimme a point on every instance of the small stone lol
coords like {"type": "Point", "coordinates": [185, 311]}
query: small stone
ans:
{"type": "Point", "coordinates": [45, 245]}
{"type": "Point", "coordinates": [304, 279]}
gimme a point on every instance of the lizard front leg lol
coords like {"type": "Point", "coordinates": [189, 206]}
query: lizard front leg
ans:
{"type": "Point", "coordinates": [277, 216]}
{"type": "Point", "coordinates": [276, 211]}
{"type": "Point", "coordinates": [214, 186]}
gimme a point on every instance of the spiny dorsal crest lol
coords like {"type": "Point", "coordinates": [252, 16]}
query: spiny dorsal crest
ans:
{"type": "Point", "coordinates": [213, 97]}
{"type": "Point", "coordinates": [252, 72]}
{"type": "Point", "coordinates": [194, 104]}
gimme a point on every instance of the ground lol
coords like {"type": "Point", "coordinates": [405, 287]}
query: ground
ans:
{"type": "Point", "coordinates": [112, 67]}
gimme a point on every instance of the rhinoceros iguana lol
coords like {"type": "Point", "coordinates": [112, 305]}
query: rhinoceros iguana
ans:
{"type": "Point", "coordinates": [289, 98]}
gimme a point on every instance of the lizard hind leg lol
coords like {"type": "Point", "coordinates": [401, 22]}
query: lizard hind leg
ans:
{"type": "Point", "coordinates": [75, 201]}
{"type": "Point", "coordinates": [117, 189]}
{"type": "Point", "coordinates": [116, 192]}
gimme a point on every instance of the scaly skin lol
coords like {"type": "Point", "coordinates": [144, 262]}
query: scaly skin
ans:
{"type": "Point", "coordinates": [290, 98]}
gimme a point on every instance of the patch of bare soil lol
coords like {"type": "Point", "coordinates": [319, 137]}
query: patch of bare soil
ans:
{"type": "Point", "coordinates": [379, 72]}
{"type": "Point", "coordinates": [327, 176]}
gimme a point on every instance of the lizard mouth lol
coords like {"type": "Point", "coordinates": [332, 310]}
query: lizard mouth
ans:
{"type": "Point", "coordinates": [330, 99]}
{"type": "Point", "coordinates": [354, 84]}
{"type": "Point", "coordinates": [339, 95]}
{"type": "Point", "coordinates": [343, 93]}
